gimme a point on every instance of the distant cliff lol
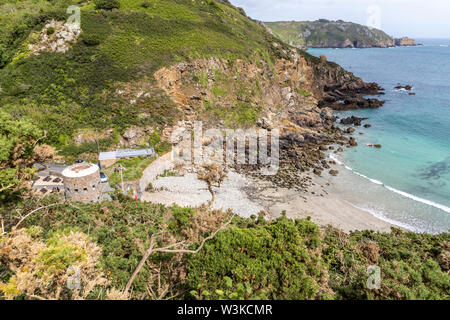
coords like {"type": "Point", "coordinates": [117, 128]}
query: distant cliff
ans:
{"type": "Point", "coordinates": [405, 41]}
{"type": "Point", "coordinates": [332, 34]}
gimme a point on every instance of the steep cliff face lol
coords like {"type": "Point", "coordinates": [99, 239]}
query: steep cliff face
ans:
{"type": "Point", "coordinates": [293, 94]}
{"type": "Point", "coordinates": [241, 93]}
{"type": "Point", "coordinates": [329, 34]}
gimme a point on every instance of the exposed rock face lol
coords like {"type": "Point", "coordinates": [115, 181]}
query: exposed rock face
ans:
{"type": "Point", "coordinates": [286, 96]}
{"type": "Point", "coordinates": [86, 136]}
{"type": "Point", "coordinates": [348, 96]}
{"type": "Point", "coordinates": [405, 41]}
{"type": "Point", "coordinates": [135, 136]}
{"type": "Point", "coordinates": [353, 121]}
{"type": "Point", "coordinates": [400, 87]}
{"type": "Point", "coordinates": [56, 36]}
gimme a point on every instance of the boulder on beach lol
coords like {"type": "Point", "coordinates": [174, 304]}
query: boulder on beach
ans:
{"type": "Point", "coordinates": [317, 171]}
{"type": "Point", "coordinates": [334, 172]}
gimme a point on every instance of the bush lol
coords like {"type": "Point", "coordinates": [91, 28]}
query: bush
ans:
{"type": "Point", "coordinates": [107, 4]}
{"type": "Point", "coordinates": [91, 40]}
{"type": "Point", "coordinates": [279, 259]}
{"type": "Point", "coordinates": [181, 218]}
{"type": "Point", "coordinates": [50, 31]}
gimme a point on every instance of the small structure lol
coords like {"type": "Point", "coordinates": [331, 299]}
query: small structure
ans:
{"type": "Point", "coordinates": [82, 182]}
{"type": "Point", "coordinates": [107, 159]}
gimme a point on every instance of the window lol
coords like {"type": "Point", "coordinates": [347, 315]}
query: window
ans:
{"type": "Point", "coordinates": [93, 186]}
{"type": "Point", "coordinates": [85, 189]}
{"type": "Point", "coordinates": [76, 190]}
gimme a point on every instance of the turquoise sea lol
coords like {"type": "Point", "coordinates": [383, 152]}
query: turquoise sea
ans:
{"type": "Point", "coordinates": [407, 181]}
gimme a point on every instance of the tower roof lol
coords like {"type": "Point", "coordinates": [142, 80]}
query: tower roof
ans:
{"type": "Point", "coordinates": [80, 170]}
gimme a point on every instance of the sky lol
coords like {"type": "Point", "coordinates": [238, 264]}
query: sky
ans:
{"type": "Point", "coordinates": [413, 18]}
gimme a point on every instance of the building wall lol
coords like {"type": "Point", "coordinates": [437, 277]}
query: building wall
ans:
{"type": "Point", "coordinates": [83, 189]}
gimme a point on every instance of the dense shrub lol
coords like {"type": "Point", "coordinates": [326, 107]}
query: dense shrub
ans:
{"type": "Point", "coordinates": [181, 218]}
{"type": "Point", "coordinates": [253, 258]}
{"type": "Point", "coordinates": [107, 4]}
{"type": "Point", "coordinates": [50, 31]}
{"type": "Point", "coordinates": [282, 259]}
{"type": "Point", "coordinates": [409, 264]}
{"type": "Point", "coordinates": [91, 40]}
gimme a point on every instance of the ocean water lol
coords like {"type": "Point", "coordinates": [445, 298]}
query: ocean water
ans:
{"type": "Point", "coordinates": [407, 181]}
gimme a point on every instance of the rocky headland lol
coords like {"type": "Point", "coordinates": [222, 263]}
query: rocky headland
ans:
{"type": "Point", "coordinates": [324, 33]}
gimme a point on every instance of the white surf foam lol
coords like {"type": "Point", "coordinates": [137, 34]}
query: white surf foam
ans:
{"type": "Point", "coordinates": [402, 193]}
{"type": "Point", "coordinates": [416, 198]}
{"type": "Point", "coordinates": [380, 215]}
{"type": "Point", "coordinates": [335, 159]}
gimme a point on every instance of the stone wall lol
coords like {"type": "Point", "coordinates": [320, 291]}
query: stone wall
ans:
{"type": "Point", "coordinates": [83, 189]}
{"type": "Point", "coordinates": [155, 169]}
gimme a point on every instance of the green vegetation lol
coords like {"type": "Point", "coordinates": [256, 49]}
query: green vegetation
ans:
{"type": "Point", "coordinates": [413, 266]}
{"type": "Point", "coordinates": [107, 4]}
{"type": "Point", "coordinates": [280, 258]}
{"type": "Point", "coordinates": [118, 50]}
{"type": "Point", "coordinates": [50, 31]}
{"type": "Point", "coordinates": [134, 169]}
{"type": "Point", "coordinates": [17, 155]}
{"type": "Point", "coordinates": [324, 33]}
{"type": "Point", "coordinates": [251, 259]}
{"type": "Point", "coordinates": [293, 260]}
{"type": "Point", "coordinates": [303, 92]}
{"type": "Point", "coordinates": [96, 85]}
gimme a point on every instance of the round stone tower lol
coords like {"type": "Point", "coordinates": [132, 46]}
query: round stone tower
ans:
{"type": "Point", "coordinates": [82, 182]}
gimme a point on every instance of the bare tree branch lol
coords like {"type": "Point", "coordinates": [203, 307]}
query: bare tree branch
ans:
{"type": "Point", "coordinates": [7, 187]}
{"type": "Point", "coordinates": [167, 249]}
{"type": "Point", "coordinates": [201, 245]}
{"type": "Point", "coordinates": [35, 210]}
{"type": "Point", "coordinates": [141, 263]}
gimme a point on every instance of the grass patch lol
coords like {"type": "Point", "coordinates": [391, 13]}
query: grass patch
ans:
{"type": "Point", "coordinates": [134, 169]}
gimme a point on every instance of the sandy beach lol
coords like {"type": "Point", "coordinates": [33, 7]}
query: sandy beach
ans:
{"type": "Point", "coordinates": [319, 203]}
{"type": "Point", "coordinates": [247, 196]}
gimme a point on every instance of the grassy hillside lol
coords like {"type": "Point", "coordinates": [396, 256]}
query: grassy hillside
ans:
{"type": "Point", "coordinates": [324, 33]}
{"type": "Point", "coordinates": [117, 50]}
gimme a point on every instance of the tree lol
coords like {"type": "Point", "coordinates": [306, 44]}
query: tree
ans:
{"type": "Point", "coordinates": [19, 150]}
{"type": "Point", "coordinates": [213, 174]}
